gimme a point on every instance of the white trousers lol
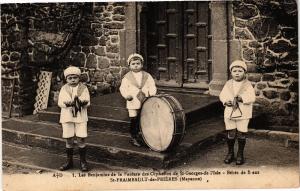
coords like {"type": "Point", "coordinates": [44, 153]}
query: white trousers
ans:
{"type": "Point", "coordinates": [71, 129]}
{"type": "Point", "coordinates": [239, 124]}
{"type": "Point", "coordinates": [132, 112]}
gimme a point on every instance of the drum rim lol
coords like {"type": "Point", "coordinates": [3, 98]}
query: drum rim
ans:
{"type": "Point", "coordinates": [174, 119]}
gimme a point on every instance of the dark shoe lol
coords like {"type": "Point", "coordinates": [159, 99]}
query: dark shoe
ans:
{"type": "Point", "coordinates": [83, 163]}
{"type": "Point", "coordinates": [240, 154]}
{"type": "Point", "coordinates": [69, 163]}
{"type": "Point", "coordinates": [229, 158]}
{"type": "Point", "coordinates": [230, 155]}
{"type": "Point", "coordinates": [134, 142]}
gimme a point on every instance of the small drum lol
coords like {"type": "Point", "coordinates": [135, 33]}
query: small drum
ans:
{"type": "Point", "coordinates": [162, 122]}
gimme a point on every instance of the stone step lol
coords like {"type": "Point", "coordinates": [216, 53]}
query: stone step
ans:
{"type": "Point", "coordinates": [39, 159]}
{"type": "Point", "coordinates": [110, 147]}
{"type": "Point", "coordinates": [109, 112]}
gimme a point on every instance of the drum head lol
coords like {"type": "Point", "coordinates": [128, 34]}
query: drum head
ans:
{"type": "Point", "coordinates": [157, 123]}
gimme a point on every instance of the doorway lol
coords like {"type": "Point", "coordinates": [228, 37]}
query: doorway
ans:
{"type": "Point", "coordinates": [177, 43]}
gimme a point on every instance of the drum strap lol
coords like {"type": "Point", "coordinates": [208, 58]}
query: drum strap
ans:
{"type": "Point", "coordinates": [129, 76]}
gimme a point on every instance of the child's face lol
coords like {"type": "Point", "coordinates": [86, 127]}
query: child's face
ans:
{"type": "Point", "coordinates": [72, 80]}
{"type": "Point", "coordinates": [135, 65]}
{"type": "Point", "coordinates": [238, 73]}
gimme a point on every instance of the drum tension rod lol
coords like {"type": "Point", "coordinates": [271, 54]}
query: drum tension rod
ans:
{"type": "Point", "coordinates": [174, 111]}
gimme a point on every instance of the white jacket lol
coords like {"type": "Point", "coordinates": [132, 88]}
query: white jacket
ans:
{"type": "Point", "coordinates": [65, 95]}
{"type": "Point", "coordinates": [130, 87]}
{"type": "Point", "coordinates": [246, 92]}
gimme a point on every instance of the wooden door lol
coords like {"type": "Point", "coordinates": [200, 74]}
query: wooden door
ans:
{"type": "Point", "coordinates": [177, 48]}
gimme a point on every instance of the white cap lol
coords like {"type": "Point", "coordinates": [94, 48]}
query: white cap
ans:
{"type": "Point", "coordinates": [131, 56]}
{"type": "Point", "coordinates": [72, 70]}
{"type": "Point", "coordinates": [239, 63]}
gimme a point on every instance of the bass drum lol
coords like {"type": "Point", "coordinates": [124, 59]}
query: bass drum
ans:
{"type": "Point", "coordinates": [162, 122]}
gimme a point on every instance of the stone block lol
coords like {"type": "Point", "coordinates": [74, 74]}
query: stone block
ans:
{"type": "Point", "coordinates": [98, 76]}
{"type": "Point", "coordinates": [112, 55]}
{"type": "Point", "coordinates": [292, 54]}
{"type": "Point", "coordinates": [263, 27]}
{"type": "Point", "coordinates": [98, 9]}
{"type": "Point", "coordinates": [280, 75]}
{"type": "Point", "coordinates": [108, 19]}
{"type": "Point", "coordinates": [15, 56]}
{"type": "Point", "coordinates": [115, 62]}
{"type": "Point", "coordinates": [285, 95]}
{"type": "Point", "coordinates": [281, 135]}
{"type": "Point", "coordinates": [277, 84]}
{"type": "Point", "coordinates": [285, 66]}
{"type": "Point", "coordinates": [248, 54]}
{"type": "Point", "coordinates": [294, 87]}
{"type": "Point", "coordinates": [112, 48]}
{"type": "Point", "coordinates": [103, 40]}
{"type": "Point", "coordinates": [86, 50]}
{"type": "Point", "coordinates": [103, 62]}
{"type": "Point", "coordinates": [98, 32]}
{"type": "Point", "coordinates": [284, 81]}
{"type": "Point", "coordinates": [254, 77]}
{"type": "Point", "coordinates": [243, 34]}
{"type": "Point", "coordinates": [280, 46]}
{"type": "Point", "coordinates": [109, 8]}
{"type": "Point", "coordinates": [240, 23]}
{"type": "Point", "coordinates": [251, 68]}
{"type": "Point", "coordinates": [95, 26]}
{"type": "Point", "coordinates": [107, 14]}
{"type": "Point", "coordinates": [118, 17]}
{"type": "Point", "coordinates": [4, 58]}
{"type": "Point", "coordinates": [115, 70]}
{"type": "Point", "coordinates": [114, 25]}
{"type": "Point", "coordinates": [288, 32]}
{"type": "Point", "coordinates": [293, 73]}
{"type": "Point", "coordinates": [244, 11]}
{"type": "Point", "coordinates": [119, 10]}
{"type": "Point", "coordinates": [270, 94]}
{"type": "Point", "coordinates": [255, 44]}
{"type": "Point", "coordinates": [113, 32]}
{"type": "Point", "coordinates": [109, 78]}
{"type": "Point", "coordinates": [100, 51]}
{"type": "Point", "coordinates": [268, 77]}
{"type": "Point", "coordinates": [261, 85]}
{"type": "Point", "coordinates": [114, 39]}
{"type": "Point", "coordinates": [91, 61]}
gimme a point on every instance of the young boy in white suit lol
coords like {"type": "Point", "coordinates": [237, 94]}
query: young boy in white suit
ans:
{"type": "Point", "coordinates": [136, 85]}
{"type": "Point", "coordinates": [238, 96]}
{"type": "Point", "coordinates": [74, 98]}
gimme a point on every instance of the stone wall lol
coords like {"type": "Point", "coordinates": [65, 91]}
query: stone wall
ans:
{"type": "Point", "coordinates": [51, 36]}
{"type": "Point", "coordinates": [97, 49]}
{"type": "Point", "coordinates": [267, 32]}
{"type": "Point", "coordinates": [14, 59]}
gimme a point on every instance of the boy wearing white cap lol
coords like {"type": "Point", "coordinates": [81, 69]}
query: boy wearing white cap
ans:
{"type": "Point", "coordinates": [74, 98]}
{"type": "Point", "coordinates": [238, 96]}
{"type": "Point", "coordinates": [136, 85]}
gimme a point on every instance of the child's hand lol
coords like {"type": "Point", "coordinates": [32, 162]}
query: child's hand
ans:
{"type": "Point", "coordinates": [228, 103]}
{"type": "Point", "coordinates": [69, 103]}
{"type": "Point", "coordinates": [239, 99]}
{"type": "Point", "coordinates": [84, 102]}
{"type": "Point", "coordinates": [129, 98]}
